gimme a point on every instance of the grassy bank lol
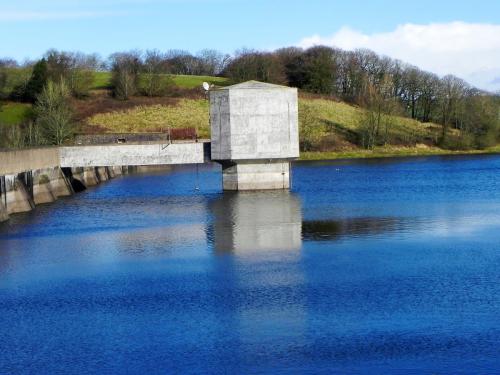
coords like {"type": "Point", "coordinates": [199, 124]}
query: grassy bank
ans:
{"type": "Point", "coordinates": [391, 151]}
{"type": "Point", "coordinates": [331, 125]}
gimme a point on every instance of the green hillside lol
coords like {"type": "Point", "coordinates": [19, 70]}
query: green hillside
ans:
{"type": "Point", "coordinates": [328, 128]}
{"type": "Point", "coordinates": [328, 124]}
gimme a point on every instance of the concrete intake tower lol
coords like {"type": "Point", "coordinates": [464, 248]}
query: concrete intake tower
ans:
{"type": "Point", "coordinates": [254, 129]}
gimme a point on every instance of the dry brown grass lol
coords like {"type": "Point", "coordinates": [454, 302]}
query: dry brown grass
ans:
{"type": "Point", "coordinates": [186, 113]}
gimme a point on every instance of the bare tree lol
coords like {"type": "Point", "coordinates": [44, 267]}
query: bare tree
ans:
{"type": "Point", "coordinates": [380, 106]}
{"type": "Point", "coordinates": [53, 112]}
{"type": "Point", "coordinates": [211, 62]}
{"type": "Point", "coordinates": [452, 93]}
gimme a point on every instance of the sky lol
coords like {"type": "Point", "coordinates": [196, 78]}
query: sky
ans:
{"type": "Point", "coordinates": [446, 37]}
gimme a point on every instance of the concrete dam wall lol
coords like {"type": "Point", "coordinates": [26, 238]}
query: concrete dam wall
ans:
{"type": "Point", "coordinates": [24, 191]}
{"type": "Point", "coordinates": [37, 176]}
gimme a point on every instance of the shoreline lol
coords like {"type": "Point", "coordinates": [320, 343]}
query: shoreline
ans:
{"type": "Point", "coordinates": [391, 152]}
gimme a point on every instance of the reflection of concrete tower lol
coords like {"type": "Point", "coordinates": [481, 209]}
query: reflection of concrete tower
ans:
{"type": "Point", "coordinates": [254, 129]}
{"type": "Point", "coordinates": [246, 222]}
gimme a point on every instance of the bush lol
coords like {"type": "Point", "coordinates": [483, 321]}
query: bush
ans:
{"type": "Point", "coordinates": [155, 84]}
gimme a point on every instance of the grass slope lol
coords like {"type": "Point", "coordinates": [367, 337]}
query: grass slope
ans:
{"type": "Point", "coordinates": [324, 119]}
{"type": "Point", "coordinates": [338, 123]}
{"type": "Point", "coordinates": [187, 113]}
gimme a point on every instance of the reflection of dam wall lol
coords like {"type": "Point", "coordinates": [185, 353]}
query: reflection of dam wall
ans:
{"type": "Point", "coordinates": [246, 222]}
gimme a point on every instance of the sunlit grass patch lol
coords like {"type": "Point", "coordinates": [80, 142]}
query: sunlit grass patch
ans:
{"type": "Point", "coordinates": [187, 113]}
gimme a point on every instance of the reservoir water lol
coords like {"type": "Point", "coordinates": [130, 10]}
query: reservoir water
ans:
{"type": "Point", "coordinates": [364, 267]}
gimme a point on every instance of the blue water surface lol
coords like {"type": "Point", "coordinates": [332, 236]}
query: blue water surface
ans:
{"type": "Point", "coordinates": [384, 266]}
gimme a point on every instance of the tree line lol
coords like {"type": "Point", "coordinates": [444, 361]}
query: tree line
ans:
{"type": "Point", "coordinates": [51, 82]}
{"type": "Point", "coordinates": [379, 84]}
{"type": "Point", "coordinates": [382, 85]}
{"type": "Point", "coordinates": [134, 72]}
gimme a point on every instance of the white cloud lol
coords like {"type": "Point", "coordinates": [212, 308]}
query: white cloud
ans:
{"type": "Point", "coordinates": [470, 51]}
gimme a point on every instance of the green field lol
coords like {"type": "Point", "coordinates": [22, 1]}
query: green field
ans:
{"type": "Point", "coordinates": [103, 81]}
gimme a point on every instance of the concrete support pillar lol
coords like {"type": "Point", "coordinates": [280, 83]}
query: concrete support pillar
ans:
{"type": "Point", "coordinates": [77, 174]}
{"type": "Point", "coordinates": [89, 177]}
{"type": "Point", "coordinates": [102, 174]}
{"type": "Point", "coordinates": [256, 175]}
{"type": "Point", "coordinates": [49, 184]}
{"type": "Point", "coordinates": [17, 197]}
{"type": "Point", "coordinates": [59, 184]}
{"type": "Point", "coordinates": [3, 202]}
{"type": "Point", "coordinates": [42, 189]}
{"type": "Point", "coordinates": [111, 173]}
{"type": "Point", "coordinates": [4, 216]}
{"type": "Point", "coordinates": [117, 170]}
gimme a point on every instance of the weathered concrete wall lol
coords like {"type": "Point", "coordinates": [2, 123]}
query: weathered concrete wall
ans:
{"type": "Point", "coordinates": [4, 216]}
{"type": "Point", "coordinates": [17, 161]}
{"type": "Point", "coordinates": [123, 154]}
{"type": "Point", "coordinates": [59, 184]}
{"type": "Point", "coordinates": [18, 198]}
{"type": "Point", "coordinates": [45, 186]}
{"type": "Point", "coordinates": [90, 177]}
{"type": "Point", "coordinates": [256, 176]}
{"type": "Point", "coordinates": [42, 188]}
{"type": "Point", "coordinates": [254, 120]}
{"type": "Point", "coordinates": [22, 192]}
{"type": "Point", "coordinates": [35, 176]}
{"type": "Point", "coordinates": [3, 208]}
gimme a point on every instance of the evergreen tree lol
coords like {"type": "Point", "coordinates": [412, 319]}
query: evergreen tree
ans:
{"type": "Point", "coordinates": [37, 81]}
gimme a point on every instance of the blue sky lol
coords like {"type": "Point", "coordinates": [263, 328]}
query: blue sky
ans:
{"type": "Point", "coordinates": [30, 27]}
